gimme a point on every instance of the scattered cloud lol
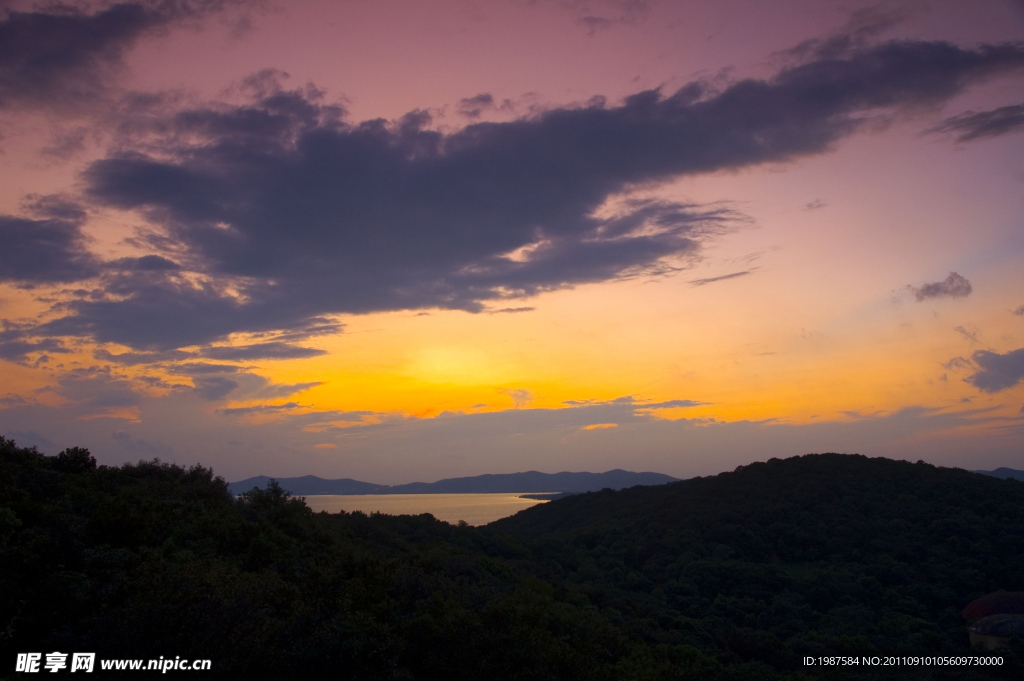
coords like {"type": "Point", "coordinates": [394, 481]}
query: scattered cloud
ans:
{"type": "Point", "coordinates": [864, 25]}
{"type": "Point", "coordinates": [953, 286]}
{"type": "Point", "coordinates": [600, 426]}
{"type": "Point", "coordinates": [66, 143]}
{"type": "Point", "coordinates": [958, 363]}
{"type": "Point", "coordinates": [816, 204]}
{"type": "Point", "coordinates": [596, 15]}
{"type": "Point", "coordinates": [997, 371]}
{"type": "Point", "coordinates": [980, 125]}
{"type": "Point", "coordinates": [473, 107]}
{"type": "Point", "coordinates": [969, 334]}
{"type": "Point", "coordinates": [1019, 311]}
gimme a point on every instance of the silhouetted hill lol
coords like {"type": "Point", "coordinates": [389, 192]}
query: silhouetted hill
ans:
{"type": "Point", "coordinates": [804, 508]}
{"type": "Point", "coordinates": [531, 481]}
{"type": "Point", "coordinates": [1004, 473]}
{"type": "Point", "coordinates": [740, 576]}
{"type": "Point", "coordinates": [814, 555]}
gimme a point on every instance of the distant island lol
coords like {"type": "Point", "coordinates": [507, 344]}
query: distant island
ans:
{"type": "Point", "coordinates": [530, 482]}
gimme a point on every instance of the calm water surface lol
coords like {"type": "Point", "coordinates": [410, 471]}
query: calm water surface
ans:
{"type": "Point", "coordinates": [475, 509]}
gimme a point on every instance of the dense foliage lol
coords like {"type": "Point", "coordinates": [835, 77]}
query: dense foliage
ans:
{"type": "Point", "coordinates": [814, 555]}
{"type": "Point", "coordinates": [733, 577]}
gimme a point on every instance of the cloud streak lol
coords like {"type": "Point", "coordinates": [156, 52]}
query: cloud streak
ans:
{"type": "Point", "coordinates": [711, 280]}
{"type": "Point", "coordinates": [272, 350]}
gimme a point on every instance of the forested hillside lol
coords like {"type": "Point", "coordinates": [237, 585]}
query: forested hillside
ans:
{"type": "Point", "coordinates": [813, 555]}
{"type": "Point", "coordinates": [733, 577]}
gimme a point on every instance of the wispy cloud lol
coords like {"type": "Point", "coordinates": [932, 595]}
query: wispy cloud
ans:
{"type": "Point", "coordinates": [271, 350]}
{"type": "Point", "coordinates": [968, 334]}
{"type": "Point", "coordinates": [512, 310]}
{"type": "Point", "coordinates": [260, 409]}
{"type": "Point", "coordinates": [521, 397]}
{"type": "Point", "coordinates": [980, 125]}
{"type": "Point", "coordinates": [711, 280]}
{"type": "Point", "coordinates": [472, 107]}
{"type": "Point", "coordinates": [957, 363]}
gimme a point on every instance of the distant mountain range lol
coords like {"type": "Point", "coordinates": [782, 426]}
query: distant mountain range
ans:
{"type": "Point", "coordinates": [1004, 473]}
{"type": "Point", "coordinates": [529, 482]}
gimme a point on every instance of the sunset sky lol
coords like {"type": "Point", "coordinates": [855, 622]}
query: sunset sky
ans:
{"type": "Point", "coordinates": [401, 240]}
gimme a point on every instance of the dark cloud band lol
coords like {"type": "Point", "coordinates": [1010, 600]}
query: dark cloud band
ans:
{"type": "Point", "coordinates": [287, 212]}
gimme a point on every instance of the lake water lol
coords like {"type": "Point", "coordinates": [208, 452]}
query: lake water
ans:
{"type": "Point", "coordinates": [475, 509]}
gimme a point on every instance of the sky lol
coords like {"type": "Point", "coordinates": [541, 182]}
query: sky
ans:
{"type": "Point", "coordinates": [405, 240]}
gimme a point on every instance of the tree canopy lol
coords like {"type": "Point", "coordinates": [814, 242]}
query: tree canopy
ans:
{"type": "Point", "coordinates": [738, 576]}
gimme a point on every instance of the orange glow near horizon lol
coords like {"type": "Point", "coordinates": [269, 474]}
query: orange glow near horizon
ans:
{"type": "Point", "coordinates": [766, 287]}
